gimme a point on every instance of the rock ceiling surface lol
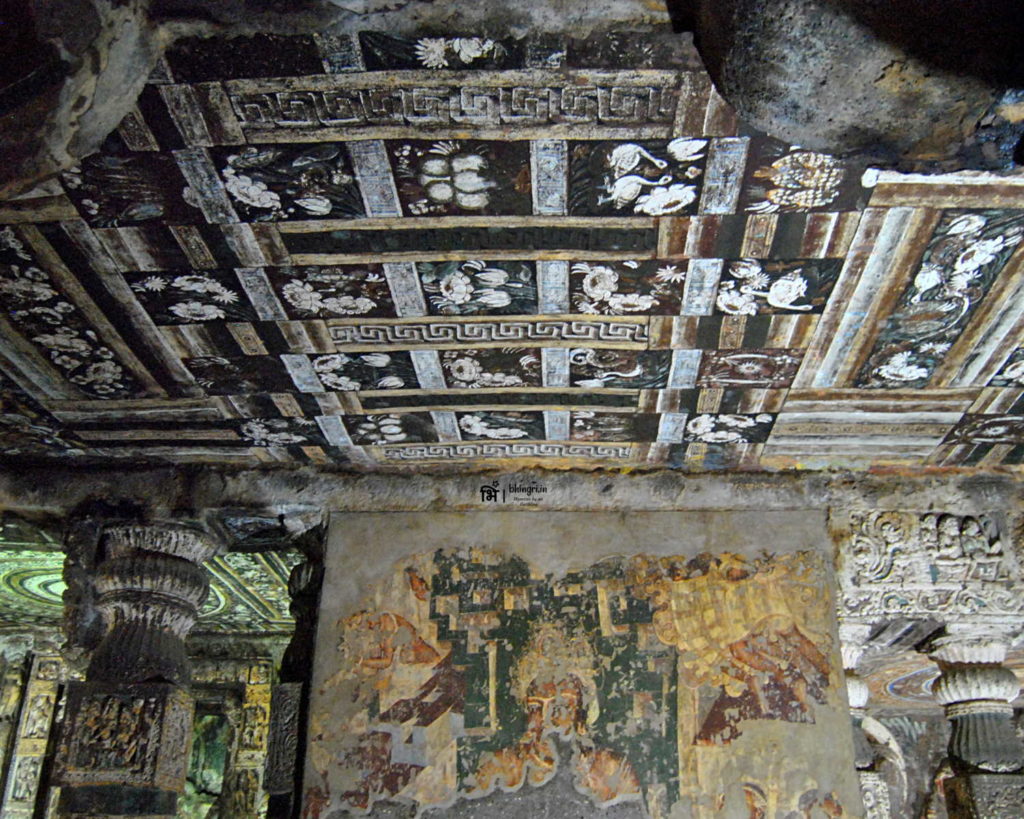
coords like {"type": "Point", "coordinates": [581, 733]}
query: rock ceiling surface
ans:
{"type": "Point", "coordinates": [373, 251]}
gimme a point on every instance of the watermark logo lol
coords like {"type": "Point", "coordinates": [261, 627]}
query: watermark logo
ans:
{"type": "Point", "coordinates": [523, 493]}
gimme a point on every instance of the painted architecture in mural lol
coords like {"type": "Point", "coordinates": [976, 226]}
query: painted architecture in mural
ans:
{"type": "Point", "coordinates": [669, 682]}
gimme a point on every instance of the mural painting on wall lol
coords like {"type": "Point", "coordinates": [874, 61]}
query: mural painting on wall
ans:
{"type": "Point", "coordinates": [666, 682]}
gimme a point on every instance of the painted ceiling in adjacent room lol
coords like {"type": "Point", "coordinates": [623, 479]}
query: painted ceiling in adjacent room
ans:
{"type": "Point", "coordinates": [376, 252]}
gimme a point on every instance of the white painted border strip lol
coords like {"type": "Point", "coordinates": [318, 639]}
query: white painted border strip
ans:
{"type": "Point", "coordinates": [701, 286]}
{"type": "Point", "coordinates": [373, 173]}
{"type": "Point", "coordinates": [303, 375]}
{"type": "Point", "coordinates": [552, 287]}
{"type": "Point", "coordinates": [427, 364]}
{"type": "Point", "coordinates": [556, 425]}
{"type": "Point", "coordinates": [549, 170]}
{"type": "Point", "coordinates": [406, 290]}
{"type": "Point", "coordinates": [682, 375]}
{"type": "Point", "coordinates": [723, 177]}
{"type": "Point", "coordinates": [260, 292]}
{"type": "Point", "coordinates": [555, 366]}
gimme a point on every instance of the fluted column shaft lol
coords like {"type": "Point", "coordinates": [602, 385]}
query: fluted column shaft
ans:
{"type": "Point", "coordinates": [986, 754]}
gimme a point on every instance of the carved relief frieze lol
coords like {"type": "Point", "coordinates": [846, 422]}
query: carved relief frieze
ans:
{"type": "Point", "coordinates": [935, 565]}
{"type": "Point", "coordinates": [126, 736]}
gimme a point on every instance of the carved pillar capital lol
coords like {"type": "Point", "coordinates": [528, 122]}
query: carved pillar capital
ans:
{"type": "Point", "coordinates": [976, 692]}
{"type": "Point", "coordinates": [148, 590]}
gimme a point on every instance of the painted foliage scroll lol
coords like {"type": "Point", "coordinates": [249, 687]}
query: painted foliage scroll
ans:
{"type": "Point", "coordinates": [704, 686]}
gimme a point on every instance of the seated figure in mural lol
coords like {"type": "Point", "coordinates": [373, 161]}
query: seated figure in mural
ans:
{"type": "Point", "coordinates": [554, 681]}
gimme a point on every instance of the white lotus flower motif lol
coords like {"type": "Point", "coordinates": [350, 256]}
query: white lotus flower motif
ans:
{"type": "Point", "coordinates": [723, 436]}
{"type": "Point", "coordinates": [333, 381]}
{"type": "Point", "coordinates": [152, 283]}
{"type": "Point", "coordinates": [329, 363]}
{"type": "Point", "coordinates": [349, 305]}
{"type": "Point", "coordinates": [302, 296]}
{"type": "Point", "coordinates": [494, 298]}
{"type": "Point", "coordinates": [474, 425]}
{"type": "Point", "coordinates": [631, 302]}
{"type": "Point", "coordinates": [967, 223]}
{"type": "Point", "coordinates": [466, 370]}
{"type": "Point", "coordinates": [686, 150]}
{"type": "Point", "coordinates": [390, 382]}
{"type": "Point", "coordinates": [663, 201]}
{"type": "Point", "coordinates": [103, 372]}
{"type": "Point", "coordinates": [65, 341]}
{"type": "Point", "coordinates": [745, 268]}
{"type": "Point", "coordinates": [900, 367]}
{"type": "Point", "coordinates": [700, 424]}
{"type": "Point", "coordinates": [250, 191]}
{"type": "Point", "coordinates": [599, 282]}
{"type": "Point", "coordinates": [492, 277]}
{"type": "Point", "coordinates": [471, 48]}
{"type": "Point", "coordinates": [431, 52]}
{"type": "Point", "coordinates": [670, 273]}
{"type": "Point", "coordinates": [376, 359]}
{"type": "Point", "coordinates": [261, 435]}
{"type": "Point", "coordinates": [734, 302]}
{"type": "Point", "coordinates": [26, 290]}
{"type": "Point", "coordinates": [456, 287]}
{"type": "Point", "coordinates": [196, 311]}
{"type": "Point", "coordinates": [316, 205]}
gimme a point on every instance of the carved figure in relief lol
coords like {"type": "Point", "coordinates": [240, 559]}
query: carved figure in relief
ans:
{"type": "Point", "coordinates": [40, 710]}
{"type": "Point", "coordinates": [26, 778]}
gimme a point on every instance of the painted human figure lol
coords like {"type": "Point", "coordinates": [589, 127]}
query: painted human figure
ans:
{"type": "Point", "coordinates": [557, 702]}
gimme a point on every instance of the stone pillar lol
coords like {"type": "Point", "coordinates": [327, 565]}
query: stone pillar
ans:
{"type": "Point", "coordinates": [874, 790]}
{"type": "Point", "coordinates": [985, 752]}
{"type": "Point", "coordinates": [124, 749]}
{"type": "Point", "coordinates": [21, 792]}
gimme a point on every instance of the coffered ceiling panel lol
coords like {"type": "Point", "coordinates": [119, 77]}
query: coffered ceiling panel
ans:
{"type": "Point", "coordinates": [378, 252]}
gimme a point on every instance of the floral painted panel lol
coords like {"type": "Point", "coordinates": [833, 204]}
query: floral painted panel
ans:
{"type": "Point", "coordinates": [282, 182]}
{"type": "Point", "coordinates": [585, 425]}
{"type": "Point", "coordinates": [1012, 372]}
{"type": "Point", "coordinates": [116, 187]}
{"type": "Point", "coordinates": [962, 260]}
{"type": "Point", "coordinates": [621, 288]}
{"type": "Point", "coordinates": [180, 297]}
{"type": "Point", "coordinates": [501, 426]}
{"type": "Point", "coordinates": [240, 375]}
{"type": "Point", "coordinates": [987, 429]}
{"type": "Point", "coordinates": [452, 177]}
{"type": "Point", "coordinates": [651, 178]}
{"type": "Point", "coordinates": [366, 371]}
{"type": "Point", "coordinates": [265, 432]}
{"type": "Point", "coordinates": [57, 327]}
{"type": "Point", "coordinates": [728, 428]}
{"type": "Point", "coordinates": [504, 367]}
{"type": "Point", "coordinates": [755, 369]}
{"type": "Point", "coordinates": [752, 286]}
{"type": "Point", "coordinates": [27, 429]}
{"type": "Point", "coordinates": [624, 369]}
{"type": "Point", "coordinates": [336, 291]}
{"type": "Point", "coordinates": [660, 682]}
{"type": "Point", "coordinates": [478, 287]}
{"type": "Point", "coordinates": [383, 51]}
{"type": "Point", "coordinates": [785, 179]}
{"type": "Point", "coordinates": [391, 428]}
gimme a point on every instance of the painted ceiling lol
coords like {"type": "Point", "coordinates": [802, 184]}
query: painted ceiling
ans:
{"type": "Point", "coordinates": [377, 252]}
